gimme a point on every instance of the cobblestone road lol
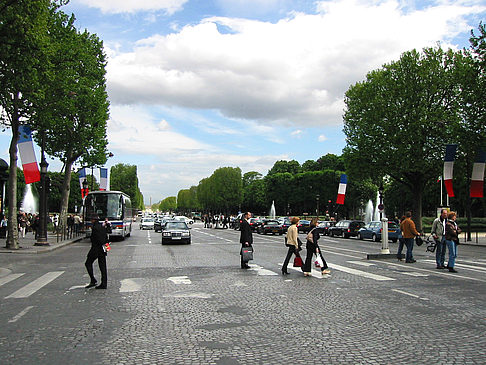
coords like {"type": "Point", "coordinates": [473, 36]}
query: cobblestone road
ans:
{"type": "Point", "coordinates": [191, 304]}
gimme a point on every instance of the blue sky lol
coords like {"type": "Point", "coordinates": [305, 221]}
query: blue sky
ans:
{"type": "Point", "coordinates": [195, 85]}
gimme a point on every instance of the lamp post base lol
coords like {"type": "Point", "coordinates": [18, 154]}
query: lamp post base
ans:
{"type": "Point", "coordinates": [41, 242]}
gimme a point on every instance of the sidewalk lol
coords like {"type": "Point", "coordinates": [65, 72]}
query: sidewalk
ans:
{"type": "Point", "coordinates": [26, 244]}
{"type": "Point", "coordinates": [477, 239]}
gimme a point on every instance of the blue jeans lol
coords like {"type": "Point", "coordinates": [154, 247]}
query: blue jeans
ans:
{"type": "Point", "coordinates": [400, 247]}
{"type": "Point", "coordinates": [409, 244]}
{"type": "Point", "coordinates": [440, 252]}
{"type": "Point", "coordinates": [452, 246]}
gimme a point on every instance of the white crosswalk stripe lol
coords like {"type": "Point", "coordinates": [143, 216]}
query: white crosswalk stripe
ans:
{"type": "Point", "coordinates": [35, 285]}
{"type": "Point", "coordinates": [9, 278]}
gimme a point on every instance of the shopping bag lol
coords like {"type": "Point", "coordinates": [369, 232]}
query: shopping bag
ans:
{"type": "Point", "coordinates": [106, 247]}
{"type": "Point", "coordinates": [298, 262]}
{"type": "Point", "coordinates": [247, 254]}
{"type": "Point", "coordinates": [318, 263]}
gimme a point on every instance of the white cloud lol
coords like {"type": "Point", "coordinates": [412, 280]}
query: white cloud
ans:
{"type": "Point", "coordinates": [293, 72]}
{"type": "Point", "coordinates": [132, 6]}
{"type": "Point", "coordinates": [322, 138]}
{"type": "Point", "coordinates": [297, 133]}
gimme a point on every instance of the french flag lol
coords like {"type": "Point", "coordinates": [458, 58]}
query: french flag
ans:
{"type": "Point", "coordinates": [477, 179]}
{"type": "Point", "coordinates": [342, 189]}
{"type": "Point", "coordinates": [82, 177]}
{"type": "Point", "coordinates": [448, 167]}
{"type": "Point", "coordinates": [103, 178]}
{"type": "Point", "coordinates": [27, 155]}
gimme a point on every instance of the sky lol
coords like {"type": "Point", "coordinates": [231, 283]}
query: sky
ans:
{"type": "Point", "coordinates": [195, 85]}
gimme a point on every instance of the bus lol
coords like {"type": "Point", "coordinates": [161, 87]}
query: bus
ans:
{"type": "Point", "coordinates": [114, 205]}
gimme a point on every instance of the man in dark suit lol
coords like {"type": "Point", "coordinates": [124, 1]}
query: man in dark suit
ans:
{"type": "Point", "coordinates": [246, 237]}
{"type": "Point", "coordinates": [98, 240]}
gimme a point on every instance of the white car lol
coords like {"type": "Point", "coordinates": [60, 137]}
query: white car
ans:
{"type": "Point", "coordinates": [147, 223]}
{"type": "Point", "coordinates": [183, 219]}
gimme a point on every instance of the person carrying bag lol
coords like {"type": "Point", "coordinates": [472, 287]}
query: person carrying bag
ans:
{"type": "Point", "coordinates": [313, 249]}
{"type": "Point", "coordinates": [292, 242]}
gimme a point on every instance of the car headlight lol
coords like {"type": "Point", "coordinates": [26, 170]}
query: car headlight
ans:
{"type": "Point", "coordinates": [166, 233]}
{"type": "Point", "coordinates": [186, 234]}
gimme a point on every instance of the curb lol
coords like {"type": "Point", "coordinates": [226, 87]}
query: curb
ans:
{"type": "Point", "coordinates": [43, 249]}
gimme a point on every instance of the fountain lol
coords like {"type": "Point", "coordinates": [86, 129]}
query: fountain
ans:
{"type": "Point", "coordinates": [376, 215]}
{"type": "Point", "coordinates": [368, 212]}
{"type": "Point", "coordinates": [272, 211]}
{"type": "Point", "coordinates": [29, 204]}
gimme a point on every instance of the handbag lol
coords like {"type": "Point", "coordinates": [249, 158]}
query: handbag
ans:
{"type": "Point", "coordinates": [419, 241]}
{"type": "Point", "coordinates": [106, 247]}
{"type": "Point", "coordinates": [310, 236]}
{"type": "Point", "coordinates": [247, 253]}
{"type": "Point", "coordinates": [298, 261]}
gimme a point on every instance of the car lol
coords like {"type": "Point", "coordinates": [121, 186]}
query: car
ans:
{"type": "Point", "coordinates": [270, 226]}
{"type": "Point", "coordinates": [303, 226]}
{"type": "Point", "coordinates": [323, 227]}
{"type": "Point", "coordinates": [255, 223]}
{"type": "Point", "coordinates": [285, 223]}
{"type": "Point", "coordinates": [160, 222]}
{"type": "Point", "coordinates": [176, 231]}
{"type": "Point", "coordinates": [346, 228]}
{"type": "Point", "coordinates": [374, 229]}
{"type": "Point", "coordinates": [147, 223]}
{"type": "Point", "coordinates": [184, 219]}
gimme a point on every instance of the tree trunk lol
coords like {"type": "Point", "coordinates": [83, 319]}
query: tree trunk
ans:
{"type": "Point", "coordinates": [12, 228]}
{"type": "Point", "coordinates": [66, 188]}
{"type": "Point", "coordinates": [417, 194]}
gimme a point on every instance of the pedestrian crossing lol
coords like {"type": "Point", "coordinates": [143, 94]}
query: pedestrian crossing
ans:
{"type": "Point", "coordinates": [380, 273]}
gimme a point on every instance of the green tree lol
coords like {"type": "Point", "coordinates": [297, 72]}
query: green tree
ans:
{"type": "Point", "coordinates": [168, 204]}
{"type": "Point", "coordinates": [24, 42]}
{"type": "Point", "coordinates": [123, 177]}
{"type": "Point", "coordinates": [74, 113]}
{"type": "Point", "coordinates": [395, 121]}
{"type": "Point", "coordinates": [283, 166]}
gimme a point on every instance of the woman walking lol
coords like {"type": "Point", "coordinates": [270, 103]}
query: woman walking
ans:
{"type": "Point", "coordinates": [313, 248]}
{"type": "Point", "coordinates": [452, 232]}
{"type": "Point", "coordinates": [292, 243]}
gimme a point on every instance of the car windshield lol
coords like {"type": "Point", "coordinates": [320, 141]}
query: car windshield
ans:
{"type": "Point", "coordinates": [392, 225]}
{"type": "Point", "coordinates": [271, 223]}
{"type": "Point", "coordinates": [146, 220]}
{"type": "Point", "coordinates": [176, 225]}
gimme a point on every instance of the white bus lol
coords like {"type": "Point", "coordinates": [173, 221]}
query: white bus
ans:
{"type": "Point", "coordinates": [114, 205]}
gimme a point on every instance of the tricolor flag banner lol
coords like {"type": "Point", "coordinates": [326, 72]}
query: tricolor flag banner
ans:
{"type": "Point", "coordinates": [27, 155]}
{"type": "Point", "coordinates": [82, 177]}
{"type": "Point", "coordinates": [103, 178]}
{"type": "Point", "coordinates": [477, 179]}
{"type": "Point", "coordinates": [342, 189]}
{"type": "Point", "coordinates": [448, 167]}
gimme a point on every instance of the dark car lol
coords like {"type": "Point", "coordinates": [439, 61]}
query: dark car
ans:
{"type": "Point", "coordinates": [346, 228]}
{"type": "Point", "coordinates": [374, 229]}
{"type": "Point", "coordinates": [303, 226]}
{"type": "Point", "coordinates": [254, 223]}
{"type": "Point", "coordinates": [270, 226]}
{"type": "Point", "coordinates": [176, 232]}
{"type": "Point", "coordinates": [285, 223]}
{"type": "Point", "coordinates": [323, 227]}
{"type": "Point", "coordinates": [159, 224]}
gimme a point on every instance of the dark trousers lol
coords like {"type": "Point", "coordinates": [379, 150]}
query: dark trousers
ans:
{"type": "Point", "coordinates": [311, 250]}
{"type": "Point", "coordinates": [292, 250]}
{"type": "Point", "coordinates": [96, 254]}
{"type": "Point", "coordinates": [409, 244]}
{"type": "Point", "coordinates": [401, 242]}
{"type": "Point", "coordinates": [440, 252]}
{"type": "Point", "coordinates": [243, 263]}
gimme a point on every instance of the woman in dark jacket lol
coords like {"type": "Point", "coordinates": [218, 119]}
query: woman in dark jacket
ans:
{"type": "Point", "coordinates": [313, 248]}
{"type": "Point", "coordinates": [452, 232]}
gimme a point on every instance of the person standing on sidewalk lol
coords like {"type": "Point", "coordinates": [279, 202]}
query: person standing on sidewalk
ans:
{"type": "Point", "coordinates": [438, 232]}
{"type": "Point", "coordinates": [409, 232]}
{"type": "Point", "coordinates": [452, 232]}
{"type": "Point", "coordinates": [98, 240]}
{"type": "Point", "coordinates": [246, 237]}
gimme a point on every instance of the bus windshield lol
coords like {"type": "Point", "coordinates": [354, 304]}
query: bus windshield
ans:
{"type": "Point", "coordinates": [104, 206]}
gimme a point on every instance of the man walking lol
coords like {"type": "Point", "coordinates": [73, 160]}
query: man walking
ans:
{"type": "Point", "coordinates": [409, 232]}
{"type": "Point", "coordinates": [246, 237]}
{"type": "Point", "coordinates": [438, 232]}
{"type": "Point", "coordinates": [98, 240]}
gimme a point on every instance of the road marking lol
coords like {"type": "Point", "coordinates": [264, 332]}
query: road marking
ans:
{"type": "Point", "coordinates": [409, 294]}
{"type": "Point", "coordinates": [362, 263]}
{"type": "Point", "coordinates": [37, 284]}
{"type": "Point", "coordinates": [469, 267]}
{"type": "Point", "coordinates": [129, 286]}
{"type": "Point", "coordinates": [360, 273]}
{"type": "Point", "coordinates": [178, 280]}
{"type": "Point", "coordinates": [9, 278]}
{"type": "Point", "coordinates": [21, 314]}
{"type": "Point", "coordinates": [314, 273]}
{"type": "Point", "coordinates": [261, 271]}
{"type": "Point", "coordinates": [411, 273]}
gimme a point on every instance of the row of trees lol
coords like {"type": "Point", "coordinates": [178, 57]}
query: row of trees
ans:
{"type": "Point", "coordinates": [52, 77]}
{"type": "Point", "coordinates": [123, 177]}
{"type": "Point", "coordinates": [398, 121]}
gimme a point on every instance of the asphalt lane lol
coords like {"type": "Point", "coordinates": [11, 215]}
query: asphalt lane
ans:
{"type": "Point", "coordinates": [192, 304]}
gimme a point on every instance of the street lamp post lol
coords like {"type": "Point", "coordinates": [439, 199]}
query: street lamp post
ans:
{"type": "Point", "coordinates": [317, 208]}
{"type": "Point", "coordinates": [384, 224]}
{"type": "Point", "coordinates": [44, 186]}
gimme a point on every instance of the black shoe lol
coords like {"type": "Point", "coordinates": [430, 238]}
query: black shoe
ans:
{"type": "Point", "coordinates": [101, 287]}
{"type": "Point", "coordinates": [285, 272]}
{"type": "Point", "coordinates": [451, 269]}
{"type": "Point", "coordinates": [90, 285]}
{"type": "Point", "coordinates": [411, 261]}
{"type": "Point", "coordinates": [441, 267]}
{"type": "Point", "coordinates": [245, 266]}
